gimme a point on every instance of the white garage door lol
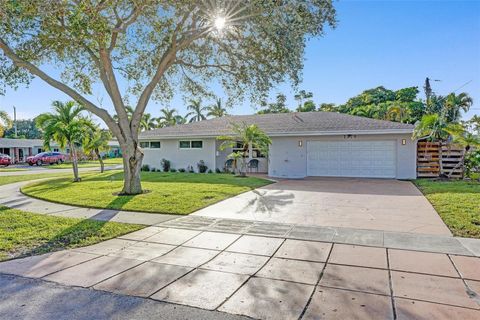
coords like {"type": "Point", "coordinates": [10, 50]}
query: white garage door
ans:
{"type": "Point", "coordinates": [375, 159]}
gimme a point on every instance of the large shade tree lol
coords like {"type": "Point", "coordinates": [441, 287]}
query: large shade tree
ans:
{"type": "Point", "coordinates": [5, 122]}
{"type": "Point", "coordinates": [144, 49]}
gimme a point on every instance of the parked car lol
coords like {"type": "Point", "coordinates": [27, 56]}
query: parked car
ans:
{"type": "Point", "coordinates": [5, 160]}
{"type": "Point", "coordinates": [46, 158]}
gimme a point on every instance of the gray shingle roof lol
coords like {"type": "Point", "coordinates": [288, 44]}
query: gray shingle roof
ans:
{"type": "Point", "coordinates": [283, 124]}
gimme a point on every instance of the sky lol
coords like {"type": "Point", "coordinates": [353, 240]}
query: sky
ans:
{"type": "Point", "coordinates": [394, 44]}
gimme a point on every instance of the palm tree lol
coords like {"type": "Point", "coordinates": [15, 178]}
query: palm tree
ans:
{"type": "Point", "coordinates": [456, 103]}
{"type": "Point", "coordinates": [216, 110]}
{"type": "Point", "coordinates": [398, 112]}
{"type": "Point", "coordinates": [466, 139]}
{"type": "Point", "coordinates": [129, 111]}
{"type": "Point", "coordinates": [67, 127]}
{"type": "Point", "coordinates": [96, 141]}
{"type": "Point", "coordinates": [147, 123]}
{"type": "Point", "coordinates": [433, 127]}
{"type": "Point", "coordinates": [5, 122]}
{"type": "Point", "coordinates": [168, 117]}
{"type": "Point", "coordinates": [197, 111]}
{"type": "Point", "coordinates": [247, 136]}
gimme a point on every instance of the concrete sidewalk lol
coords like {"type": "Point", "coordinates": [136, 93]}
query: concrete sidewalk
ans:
{"type": "Point", "coordinates": [262, 277]}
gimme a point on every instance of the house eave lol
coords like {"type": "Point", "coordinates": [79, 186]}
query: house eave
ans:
{"type": "Point", "coordinates": [289, 134]}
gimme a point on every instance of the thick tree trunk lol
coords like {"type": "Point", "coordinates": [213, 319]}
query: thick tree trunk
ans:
{"type": "Point", "coordinates": [102, 165]}
{"type": "Point", "coordinates": [73, 155]}
{"type": "Point", "coordinates": [132, 162]}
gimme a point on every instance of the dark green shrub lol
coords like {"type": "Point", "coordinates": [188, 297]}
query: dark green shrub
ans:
{"type": "Point", "coordinates": [145, 167]}
{"type": "Point", "coordinates": [173, 170]}
{"type": "Point", "coordinates": [202, 168]}
{"type": "Point", "coordinates": [165, 165]}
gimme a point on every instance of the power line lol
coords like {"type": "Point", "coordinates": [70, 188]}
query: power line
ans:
{"type": "Point", "coordinates": [463, 85]}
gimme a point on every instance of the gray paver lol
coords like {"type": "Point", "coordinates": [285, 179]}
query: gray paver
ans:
{"type": "Point", "coordinates": [354, 236]}
{"type": "Point", "coordinates": [269, 299]}
{"type": "Point", "coordinates": [173, 236]}
{"type": "Point", "coordinates": [329, 303]}
{"type": "Point", "coordinates": [107, 247]}
{"type": "Point", "coordinates": [144, 279]}
{"type": "Point", "coordinates": [304, 250]}
{"type": "Point", "coordinates": [356, 278]}
{"type": "Point", "coordinates": [424, 243]}
{"type": "Point", "coordinates": [312, 233]}
{"type": "Point", "coordinates": [142, 234]}
{"type": "Point", "coordinates": [269, 229]}
{"type": "Point", "coordinates": [91, 272]}
{"type": "Point", "coordinates": [431, 288]}
{"type": "Point", "coordinates": [473, 245]}
{"type": "Point", "coordinates": [359, 256]}
{"type": "Point", "coordinates": [39, 266]}
{"type": "Point", "coordinates": [236, 263]}
{"type": "Point", "coordinates": [255, 245]}
{"type": "Point", "coordinates": [292, 270]}
{"type": "Point", "coordinates": [212, 240]}
{"type": "Point", "coordinates": [32, 299]}
{"type": "Point", "coordinates": [188, 257]}
{"type": "Point", "coordinates": [201, 288]}
{"type": "Point", "coordinates": [420, 310]}
{"type": "Point", "coordinates": [143, 251]}
{"type": "Point", "coordinates": [421, 262]}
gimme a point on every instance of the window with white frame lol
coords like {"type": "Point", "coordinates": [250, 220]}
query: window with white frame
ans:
{"type": "Point", "coordinates": [256, 153]}
{"type": "Point", "coordinates": [150, 144]}
{"type": "Point", "coordinates": [190, 144]}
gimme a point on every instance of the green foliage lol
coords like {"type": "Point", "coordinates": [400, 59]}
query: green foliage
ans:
{"type": "Point", "coordinates": [166, 164]}
{"type": "Point", "coordinates": [327, 107]}
{"type": "Point", "coordinates": [245, 136]}
{"type": "Point", "coordinates": [216, 110]}
{"type": "Point", "coordinates": [431, 127]}
{"type": "Point", "coordinates": [26, 129]}
{"type": "Point", "coordinates": [197, 113]}
{"type": "Point", "coordinates": [279, 106]}
{"type": "Point", "coordinates": [5, 122]}
{"type": "Point", "coordinates": [147, 122]}
{"type": "Point", "coordinates": [472, 164]}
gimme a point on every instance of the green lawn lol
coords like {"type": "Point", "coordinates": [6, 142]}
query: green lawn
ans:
{"type": "Point", "coordinates": [174, 193]}
{"type": "Point", "coordinates": [88, 164]}
{"type": "Point", "coordinates": [23, 233]}
{"type": "Point", "coordinates": [7, 169]}
{"type": "Point", "coordinates": [457, 202]}
{"type": "Point", "coordinates": [26, 177]}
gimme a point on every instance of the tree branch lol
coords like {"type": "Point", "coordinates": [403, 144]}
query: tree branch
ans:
{"type": "Point", "coordinates": [21, 63]}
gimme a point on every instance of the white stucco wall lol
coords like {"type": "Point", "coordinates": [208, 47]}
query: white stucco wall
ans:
{"type": "Point", "coordinates": [180, 158]}
{"type": "Point", "coordinates": [289, 160]}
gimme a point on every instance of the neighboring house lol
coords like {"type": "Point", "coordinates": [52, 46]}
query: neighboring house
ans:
{"type": "Point", "coordinates": [20, 149]}
{"type": "Point", "coordinates": [303, 144]}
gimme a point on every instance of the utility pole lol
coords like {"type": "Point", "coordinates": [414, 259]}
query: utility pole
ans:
{"type": "Point", "coordinates": [15, 120]}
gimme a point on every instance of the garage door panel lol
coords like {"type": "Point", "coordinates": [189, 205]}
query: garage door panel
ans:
{"type": "Point", "coordinates": [352, 158]}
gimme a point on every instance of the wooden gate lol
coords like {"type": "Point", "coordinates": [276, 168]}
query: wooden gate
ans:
{"type": "Point", "coordinates": [435, 159]}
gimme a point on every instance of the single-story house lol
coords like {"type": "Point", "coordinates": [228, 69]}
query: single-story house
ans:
{"type": "Point", "coordinates": [303, 144]}
{"type": "Point", "coordinates": [20, 149]}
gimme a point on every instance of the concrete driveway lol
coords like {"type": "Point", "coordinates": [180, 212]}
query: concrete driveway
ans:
{"type": "Point", "coordinates": [377, 204]}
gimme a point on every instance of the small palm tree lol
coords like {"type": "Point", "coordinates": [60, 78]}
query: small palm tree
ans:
{"type": "Point", "coordinates": [456, 103]}
{"type": "Point", "coordinates": [148, 122]}
{"type": "Point", "coordinates": [466, 139]}
{"type": "Point", "coordinates": [433, 127]}
{"type": "Point", "coordinates": [5, 122]}
{"type": "Point", "coordinates": [197, 111]}
{"type": "Point", "coordinates": [67, 127]}
{"type": "Point", "coordinates": [246, 136]}
{"type": "Point", "coordinates": [96, 141]}
{"type": "Point", "coordinates": [168, 117]}
{"type": "Point", "coordinates": [216, 110]}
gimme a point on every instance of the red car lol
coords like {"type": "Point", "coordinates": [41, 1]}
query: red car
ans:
{"type": "Point", "coordinates": [5, 160]}
{"type": "Point", "coordinates": [46, 158]}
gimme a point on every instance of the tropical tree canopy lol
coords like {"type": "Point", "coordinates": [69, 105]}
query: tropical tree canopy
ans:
{"type": "Point", "coordinates": [197, 111]}
{"type": "Point", "coordinates": [149, 49]}
{"type": "Point", "coordinates": [216, 110]}
{"type": "Point", "coordinates": [148, 122]}
{"type": "Point", "coordinates": [5, 122]}
{"type": "Point", "coordinates": [96, 141]}
{"type": "Point", "coordinates": [279, 106]}
{"type": "Point", "coordinates": [67, 127]}
{"type": "Point", "coordinates": [26, 129]}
